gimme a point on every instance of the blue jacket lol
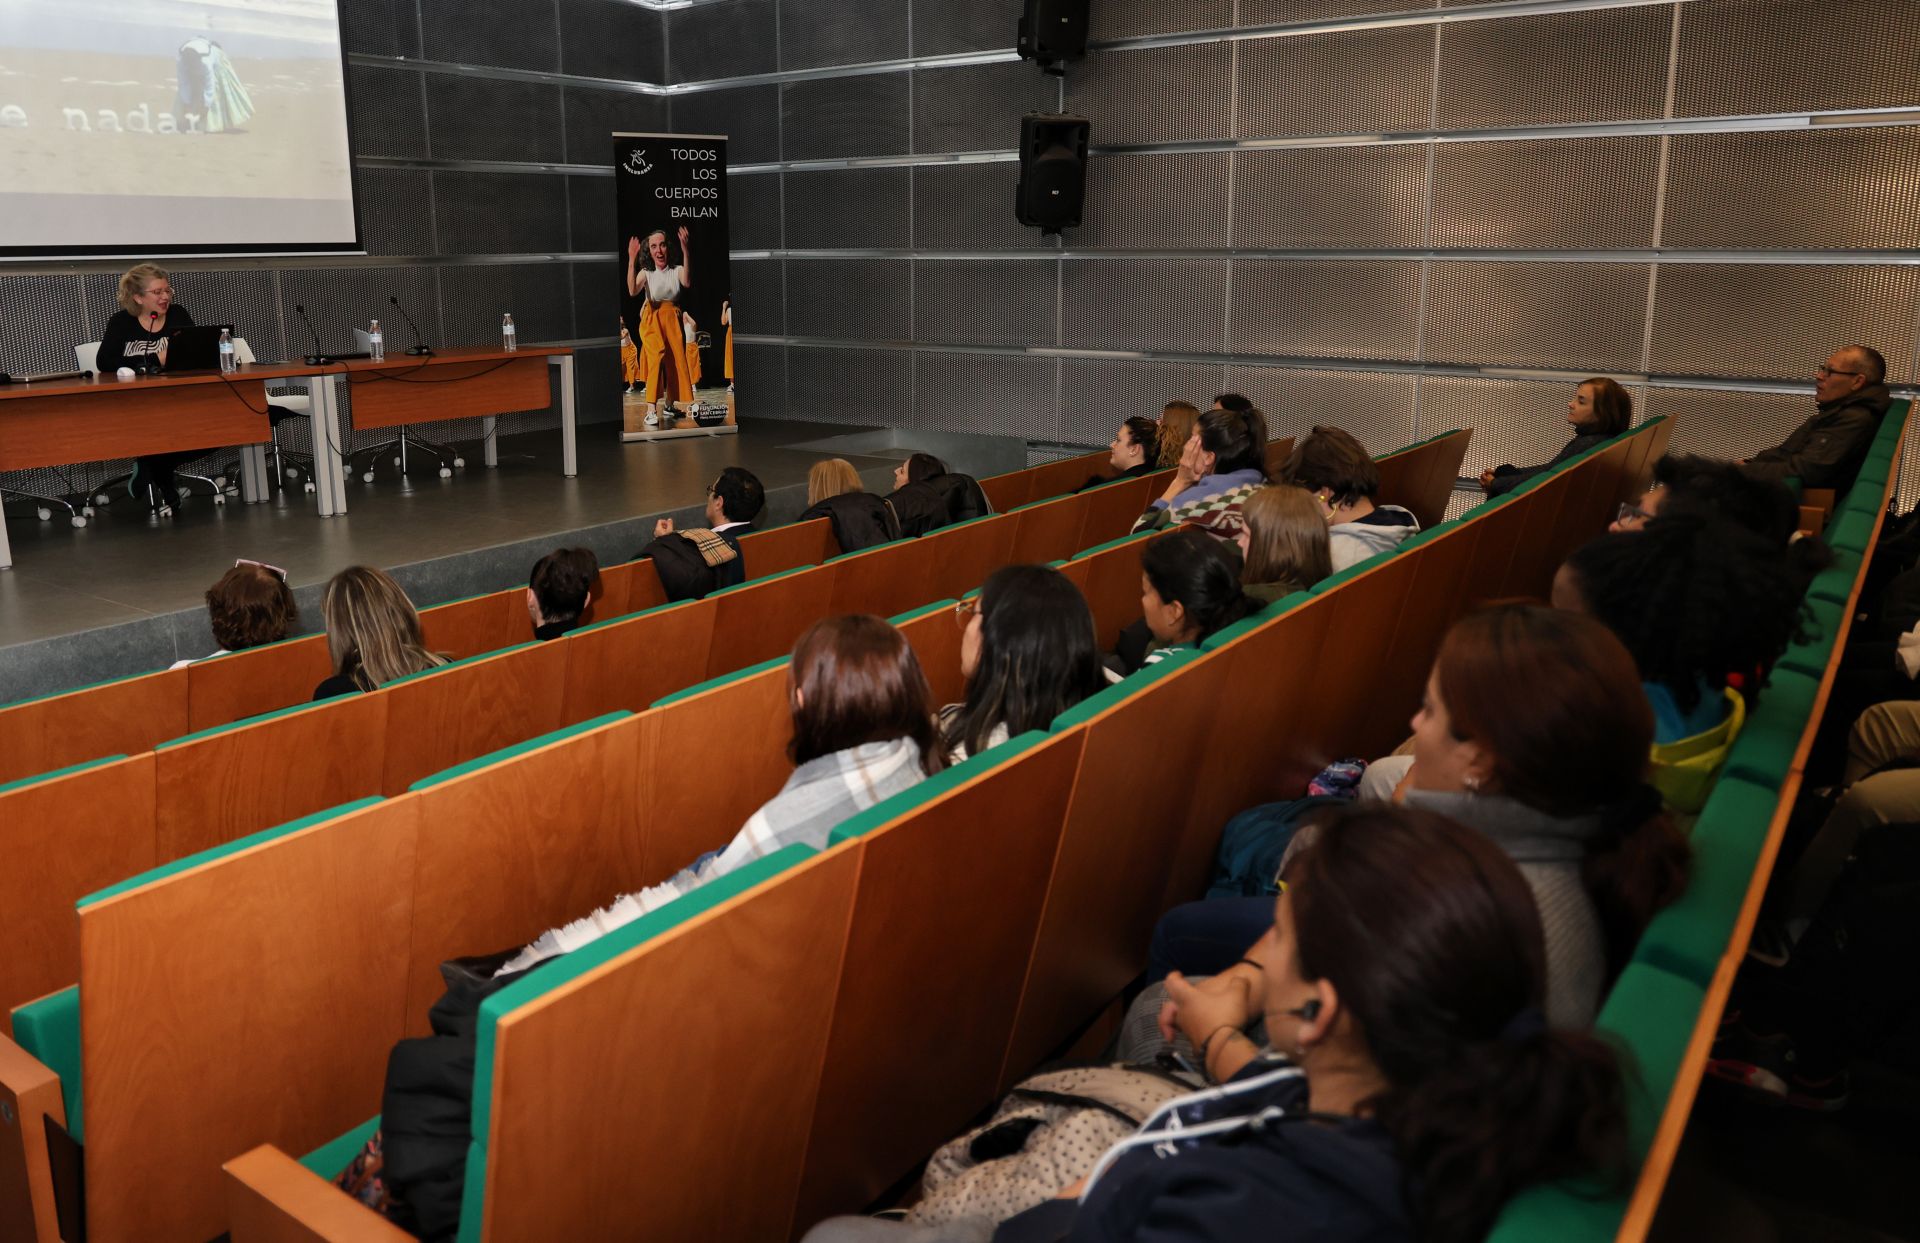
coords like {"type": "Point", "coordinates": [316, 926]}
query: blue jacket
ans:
{"type": "Point", "coordinates": [1212, 485]}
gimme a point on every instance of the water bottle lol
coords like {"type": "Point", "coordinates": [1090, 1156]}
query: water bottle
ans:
{"type": "Point", "coordinates": [506, 334]}
{"type": "Point", "coordinates": [227, 364]}
{"type": "Point", "coordinates": [376, 344]}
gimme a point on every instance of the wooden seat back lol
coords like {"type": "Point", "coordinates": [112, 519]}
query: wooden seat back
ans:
{"type": "Point", "coordinates": [1112, 588]}
{"type": "Point", "coordinates": [1278, 451]}
{"type": "Point", "coordinates": [438, 719]}
{"type": "Point", "coordinates": [1067, 474]}
{"type": "Point", "coordinates": [262, 679]}
{"type": "Point", "coordinates": [120, 718]}
{"type": "Point", "coordinates": [629, 663]}
{"type": "Point", "coordinates": [758, 621]}
{"type": "Point", "coordinates": [1050, 530]}
{"type": "Point", "coordinates": [1421, 477]}
{"type": "Point", "coordinates": [959, 558]}
{"type": "Point", "coordinates": [1113, 508]}
{"type": "Point", "coordinates": [883, 581]}
{"type": "Point", "coordinates": [788, 547]}
{"type": "Point", "coordinates": [471, 627]}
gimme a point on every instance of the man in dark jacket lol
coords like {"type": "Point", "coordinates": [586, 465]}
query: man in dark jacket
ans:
{"type": "Point", "coordinates": [1826, 450]}
{"type": "Point", "coordinates": [693, 564]}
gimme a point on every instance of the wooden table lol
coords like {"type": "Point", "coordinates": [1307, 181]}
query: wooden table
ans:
{"type": "Point", "coordinates": [451, 384]}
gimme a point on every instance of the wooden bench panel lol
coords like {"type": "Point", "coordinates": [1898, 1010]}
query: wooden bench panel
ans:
{"type": "Point", "coordinates": [986, 846]}
{"type": "Point", "coordinates": [1113, 509]}
{"type": "Point", "coordinates": [212, 790]}
{"type": "Point", "coordinates": [1112, 589]}
{"type": "Point", "coordinates": [262, 679]}
{"type": "Point", "coordinates": [1068, 474]}
{"type": "Point", "coordinates": [62, 839]}
{"type": "Point", "coordinates": [885, 581]}
{"type": "Point", "coordinates": [959, 559]}
{"type": "Point", "coordinates": [1050, 531]}
{"type": "Point", "coordinates": [576, 1150]}
{"type": "Point", "coordinates": [1009, 491]}
{"type": "Point", "coordinates": [271, 1198]}
{"type": "Point", "coordinates": [788, 547]}
{"type": "Point", "coordinates": [439, 720]}
{"type": "Point", "coordinates": [463, 628]}
{"type": "Point", "coordinates": [762, 621]}
{"type": "Point", "coordinates": [251, 1000]}
{"type": "Point", "coordinates": [935, 639]}
{"type": "Point", "coordinates": [1278, 451]}
{"type": "Point", "coordinates": [630, 664]}
{"type": "Point", "coordinates": [30, 1094]}
{"type": "Point", "coordinates": [121, 718]}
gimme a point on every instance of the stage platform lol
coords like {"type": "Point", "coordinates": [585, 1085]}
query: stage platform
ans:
{"type": "Point", "coordinates": [125, 595]}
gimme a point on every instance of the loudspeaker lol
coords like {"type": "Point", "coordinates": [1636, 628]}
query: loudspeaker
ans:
{"type": "Point", "coordinates": [1052, 31]}
{"type": "Point", "coordinates": [1053, 171]}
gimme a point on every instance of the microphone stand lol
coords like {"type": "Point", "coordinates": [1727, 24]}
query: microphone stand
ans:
{"type": "Point", "coordinates": [420, 348]}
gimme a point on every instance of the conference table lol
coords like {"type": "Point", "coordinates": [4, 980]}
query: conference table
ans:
{"type": "Point", "coordinates": [63, 422]}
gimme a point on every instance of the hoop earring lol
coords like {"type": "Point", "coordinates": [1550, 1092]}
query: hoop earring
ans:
{"type": "Point", "coordinates": [1472, 783]}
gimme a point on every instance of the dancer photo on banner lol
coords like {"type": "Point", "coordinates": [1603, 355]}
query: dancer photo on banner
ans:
{"type": "Point", "coordinates": [671, 207]}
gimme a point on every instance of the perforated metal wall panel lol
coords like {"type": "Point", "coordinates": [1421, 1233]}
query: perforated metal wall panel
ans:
{"type": "Point", "coordinates": [941, 26]}
{"type": "Point", "coordinates": [1590, 316]}
{"type": "Point", "coordinates": [519, 36]}
{"type": "Point", "coordinates": [1119, 19]}
{"type": "Point", "coordinates": [486, 119]}
{"type": "Point", "coordinates": [52, 304]}
{"type": "Point", "coordinates": [1097, 394]}
{"type": "Point", "coordinates": [855, 208]}
{"type": "Point", "coordinates": [1159, 94]}
{"type": "Point", "coordinates": [1329, 198]}
{"type": "Point", "coordinates": [598, 290]}
{"type": "Point", "coordinates": [838, 117]}
{"type": "Point", "coordinates": [1760, 320]}
{"type": "Point", "coordinates": [1565, 194]}
{"type": "Point", "coordinates": [612, 39]}
{"type": "Point", "coordinates": [854, 299]}
{"type": "Point", "coordinates": [1313, 309]}
{"type": "Point", "coordinates": [1724, 425]}
{"type": "Point", "coordinates": [760, 376]}
{"type": "Point", "coordinates": [759, 296]}
{"type": "Point", "coordinates": [590, 209]}
{"type": "Point", "coordinates": [1556, 68]}
{"type": "Point", "coordinates": [380, 27]}
{"type": "Point", "coordinates": [984, 301]}
{"type": "Point", "coordinates": [1376, 406]}
{"type": "Point", "coordinates": [1814, 189]}
{"type": "Point", "coordinates": [338, 300]}
{"type": "Point", "coordinates": [1144, 304]}
{"type": "Point", "coordinates": [814, 33]}
{"type": "Point", "coordinates": [1384, 83]}
{"type": "Point", "coordinates": [387, 111]}
{"type": "Point", "coordinates": [499, 213]}
{"type": "Point", "coordinates": [710, 42]}
{"type": "Point", "coordinates": [978, 107]}
{"type": "Point", "coordinates": [1276, 12]}
{"type": "Point", "coordinates": [753, 211]}
{"type": "Point", "coordinates": [1739, 57]}
{"type": "Point", "coordinates": [967, 205]}
{"type": "Point", "coordinates": [594, 116]}
{"type": "Point", "coordinates": [748, 115]}
{"type": "Point", "coordinates": [1520, 422]}
{"type": "Point", "coordinates": [1150, 202]}
{"type": "Point", "coordinates": [538, 295]}
{"type": "Point", "coordinates": [396, 211]}
{"type": "Point", "coordinates": [850, 386]}
{"type": "Point", "coordinates": [987, 393]}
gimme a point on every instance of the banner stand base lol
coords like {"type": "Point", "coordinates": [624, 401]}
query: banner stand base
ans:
{"type": "Point", "coordinates": [677, 433]}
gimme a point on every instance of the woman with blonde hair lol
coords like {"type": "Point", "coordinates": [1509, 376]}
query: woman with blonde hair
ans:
{"type": "Point", "coordinates": [1284, 539]}
{"type": "Point", "coordinates": [831, 477]}
{"type": "Point", "coordinates": [860, 519]}
{"type": "Point", "coordinates": [136, 336]}
{"type": "Point", "coordinates": [1176, 426]}
{"type": "Point", "coordinates": [373, 633]}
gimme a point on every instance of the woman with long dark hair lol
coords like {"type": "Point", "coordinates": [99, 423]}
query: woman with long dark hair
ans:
{"type": "Point", "coordinates": [1028, 655]}
{"type": "Point", "coordinates": [1189, 588]}
{"type": "Point", "coordinates": [1222, 461]}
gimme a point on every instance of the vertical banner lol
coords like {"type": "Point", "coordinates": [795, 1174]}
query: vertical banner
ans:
{"type": "Point", "coordinates": [676, 343]}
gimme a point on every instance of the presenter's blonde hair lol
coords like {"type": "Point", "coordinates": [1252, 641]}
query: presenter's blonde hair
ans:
{"type": "Point", "coordinates": [832, 476]}
{"type": "Point", "coordinates": [135, 283]}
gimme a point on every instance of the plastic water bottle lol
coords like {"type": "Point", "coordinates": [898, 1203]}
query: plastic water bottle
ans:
{"type": "Point", "coordinates": [507, 341]}
{"type": "Point", "coordinates": [376, 344]}
{"type": "Point", "coordinates": [227, 363]}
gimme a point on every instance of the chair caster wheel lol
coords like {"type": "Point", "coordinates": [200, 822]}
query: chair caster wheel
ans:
{"type": "Point", "coordinates": [291, 473]}
{"type": "Point", "coordinates": [459, 463]}
{"type": "Point", "coordinates": [368, 477]}
{"type": "Point", "coordinates": [87, 510]}
{"type": "Point", "coordinates": [445, 473]}
{"type": "Point", "coordinates": [310, 487]}
{"type": "Point", "coordinates": [219, 498]}
{"type": "Point", "coordinates": [79, 520]}
{"type": "Point", "coordinates": [219, 481]}
{"type": "Point", "coordinates": [102, 498]}
{"type": "Point", "coordinates": [44, 513]}
{"type": "Point", "coordinates": [165, 511]}
{"type": "Point", "coordinates": [396, 461]}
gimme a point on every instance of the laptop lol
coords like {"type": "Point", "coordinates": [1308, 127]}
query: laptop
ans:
{"type": "Point", "coordinates": [196, 348]}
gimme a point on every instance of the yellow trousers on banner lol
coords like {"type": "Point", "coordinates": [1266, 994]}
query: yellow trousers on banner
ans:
{"type": "Point", "coordinates": [630, 371]}
{"type": "Point", "coordinates": [665, 358]}
{"type": "Point", "coordinates": [729, 365]}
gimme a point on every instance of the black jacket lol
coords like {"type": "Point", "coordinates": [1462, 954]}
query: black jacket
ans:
{"type": "Point", "coordinates": [1826, 451]}
{"type": "Point", "coordinates": [1507, 478]}
{"type": "Point", "coordinates": [685, 574]}
{"type": "Point", "coordinates": [1132, 472]}
{"type": "Point", "coordinates": [937, 502]}
{"type": "Point", "coordinates": [126, 341]}
{"type": "Point", "coordinates": [860, 520]}
{"type": "Point", "coordinates": [1295, 1176]}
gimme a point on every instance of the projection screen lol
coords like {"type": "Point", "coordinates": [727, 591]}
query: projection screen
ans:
{"type": "Point", "coordinates": [173, 127]}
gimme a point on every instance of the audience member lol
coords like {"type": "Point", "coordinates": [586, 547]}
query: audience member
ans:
{"type": "Point", "coordinates": [1224, 460]}
{"type": "Point", "coordinates": [927, 496]}
{"type": "Point", "coordinates": [560, 589]}
{"type": "Point", "coordinates": [1189, 588]}
{"type": "Point", "coordinates": [693, 564]}
{"type": "Point", "coordinates": [1334, 467]}
{"type": "Point", "coordinates": [1236, 402]}
{"type": "Point", "coordinates": [1135, 451]}
{"type": "Point", "coordinates": [859, 518]}
{"type": "Point", "coordinates": [1028, 655]}
{"type": "Point", "coordinates": [249, 606]}
{"type": "Point", "coordinates": [373, 633]}
{"type": "Point", "coordinates": [1599, 411]}
{"type": "Point", "coordinates": [1284, 541]}
{"type": "Point", "coordinates": [1176, 426]}
{"type": "Point", "coordinates": [1826, 451]}
{"type": "Point", "coordinates": [1763, 506]}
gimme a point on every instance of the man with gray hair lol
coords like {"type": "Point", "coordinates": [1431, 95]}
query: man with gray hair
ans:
{"type": "Point", "coordinates": [1826, 450]}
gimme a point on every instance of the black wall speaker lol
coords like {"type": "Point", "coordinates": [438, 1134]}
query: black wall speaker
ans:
{"type": "Point", "coordinates": [1052, 31]}
{"type": "Point", "coordinates": [1053, 171]}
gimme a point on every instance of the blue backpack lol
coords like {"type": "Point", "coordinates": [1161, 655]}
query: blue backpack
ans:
{"type": "Point", "coordinates": [1248, 863]}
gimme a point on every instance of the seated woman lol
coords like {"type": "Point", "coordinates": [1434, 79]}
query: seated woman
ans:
{"type": "Point", "coordinates": [373, 633]}
{"type": "Point", "coordinates": [1028, 655]}
{"type": "Point", "coordinates": [1285, 543]}
{"type": "Point", "coordinates": [1134, 452]}
{"type": "Point", "coordinates": [1189, 588]}
{"type": "Point", "coordinates": [249, 606]}
{"type": "Point", "coordinates": [1417, 1086]}
{"type": "Point", "coordinates": [136, 336]}
{"type": "Point", "coordinates": [1764, 506]}
{"type": "Point", "coordinates": [1334, 467]}
{"type": "Point", "coordinates": [1556, 778]}
{"type": "Point", "coordinates": [860, 519]}
{"type": "Point", "coordinates": [1176, 428]}
{"type": "Point", "coordinates": [927, 496]}
{"type": "Point", "coordinates": [1599, 411]}
{"type": "Point", "coordinates": [1223, 460]}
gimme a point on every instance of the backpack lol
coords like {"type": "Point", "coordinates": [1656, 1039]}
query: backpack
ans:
{"type": "Point", "coordinates": [1046, 1134]}
{"type": "Point", "coordinates": [1247, 864]}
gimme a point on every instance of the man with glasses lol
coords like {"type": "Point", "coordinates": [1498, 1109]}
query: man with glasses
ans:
{"type": "Point", "coordinates": [1826, 450]}
{"type": "Point", "coordinates": [694, 563]}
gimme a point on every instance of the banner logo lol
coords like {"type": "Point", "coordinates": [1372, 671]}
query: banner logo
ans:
{"type": "Point", "coordinates": [637, 163]}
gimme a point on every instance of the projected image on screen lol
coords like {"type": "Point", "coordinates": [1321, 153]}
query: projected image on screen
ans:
{"type": "Point", "coordinates": [170, 126]}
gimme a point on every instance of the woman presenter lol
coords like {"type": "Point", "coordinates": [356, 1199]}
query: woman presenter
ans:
{"type": "Point", "coordinates": [662, 337]}
{"type": "Point", "coordinates": [136, 336]}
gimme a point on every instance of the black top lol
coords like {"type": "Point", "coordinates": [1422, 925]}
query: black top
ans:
{"type": "Point", "coordinates": [127, 338]}
{"type": "Point", "coordinates": [1507, 478]}
{"type": "Point", "coordinates": [1132, 472]}
{"type": "Point", "coordinates": [553, 630]}
{"type": "Point", "coordinates": [1827, 450]}
{"type": "Point", "coordinates": [335, 685]}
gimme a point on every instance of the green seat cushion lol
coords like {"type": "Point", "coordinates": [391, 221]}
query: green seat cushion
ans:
{"type": "Point", "coordinates": [242, 723]}
{"type": "Point", "coordinates": [888, 809]}
{"type": "Point", "coordinates": [456, 664]}
{"type": "Point", "coordinates": [1689, 937]}
{"type": "Point", "coordinates": [1835, 583]}
{"type": "Point", "coordinates": [333, 1156]}
{"type": "Point", "coordinates": [937, 606]}
{"type": "Point", "coordinates": [1649, 1014]}
{"type": "Point", "coordinates": [1567, 1212]}
{"type": "Point", "coordinates": [1115, 543]}
{"type": "Point", "coordinates": [1851, 532]}
{"type": "Point", "coordinates": [1126, 688]}
{"type": "Point", "coordinates": [518, 748]}
{"type": "Point", "coordinates": [49, 1029]}
{"type": "Point", "coordinates": [764, 578]}
{"type": "Point", "coordinates": [1247, 625]}
{"type": "Point", "coordinates": [56, 773]}
{"type": "Point", "coordinates": [701, 688]}
{"type": "Point", "coordinates": [1765, 749]}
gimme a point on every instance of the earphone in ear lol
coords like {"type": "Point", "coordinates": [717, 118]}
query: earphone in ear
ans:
{"type": "Point", "coordinates": [1308, 1011]}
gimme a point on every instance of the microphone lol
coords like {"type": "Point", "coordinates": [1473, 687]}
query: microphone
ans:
{"type": "Point", "coordinates": [420, 348]}
{"type": "Point", "coordinates": [44, 377]}
{"type": "Point", "coordinates": [319, 356]}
